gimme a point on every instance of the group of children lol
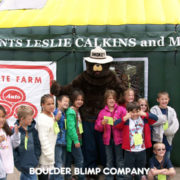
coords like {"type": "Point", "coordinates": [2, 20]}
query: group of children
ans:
{"type": "Point", "coordinates": [55, 138]}
{"type": "Point", "coordinates": [130, 127]}
{"type": "Point", "coordinates": [50, 141]}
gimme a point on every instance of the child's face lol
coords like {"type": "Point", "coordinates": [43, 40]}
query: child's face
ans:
{"type": "Point", "coordinates": [160, 150]}
{"type": "Point", "coordinates": [2, 119]}
{"type": "Point", "coordinates": [64, 103]}
{"type": "Point", "coordinates": [111, 101]}
{"type": "Point", "coordinates": [134, 114]}
{"type": "Point", "coordinates": [129, 96]}
{"type": "Point", "coordinates": [48, 105]}
{"type": "Point", "coordinates": [79, 101]}
{"type": "Point", "coordinates": [143, 105]}
{"type": "Point", "coordinates": [163, 101]}
{"type": "Point", "coordinates": [27, 120]}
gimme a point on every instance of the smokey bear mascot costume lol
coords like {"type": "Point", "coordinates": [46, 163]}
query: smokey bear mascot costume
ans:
{"type": "Point", "coordinates": [93, 82]}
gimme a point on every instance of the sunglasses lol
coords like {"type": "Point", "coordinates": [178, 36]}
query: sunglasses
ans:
{"type": "Point", "coordinates": [161, 149]}
{"type": "Point", "coordinates": [143, 105]}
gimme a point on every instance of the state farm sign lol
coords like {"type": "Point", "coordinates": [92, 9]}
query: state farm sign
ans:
{"type": "Point", "coordinates": [23, 83]}
{"type": "Point", "coordinates": [13, 94]}
{"type": "Point", "coordinates": [13, 97]}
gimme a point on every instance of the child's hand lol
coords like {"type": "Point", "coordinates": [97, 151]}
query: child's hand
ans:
{"type": "Point", "coordinates": [164, 171]}
{"type": "Point", "coordinates": [77, 145]}
{"type": "Point", "coordinates": [142, 113]}
{"type": "Point", "coordinates": [58, 116]}
{"type": "Point", "coordinates": [2, 138]}
{"type": "Point", "coordinates": [104, 121]}
{"type": "Point", "coordinates": [16, 129]}
{"type": "Point", "coordinates": [127, 116]}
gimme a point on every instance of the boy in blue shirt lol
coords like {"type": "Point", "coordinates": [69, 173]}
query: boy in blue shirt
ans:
{"type": "Point", "coordinates": [27, 154]}
{"type": "Point", "coordinates": [160, 165]}
{"type": "Point", "coordinates": [60, 148]}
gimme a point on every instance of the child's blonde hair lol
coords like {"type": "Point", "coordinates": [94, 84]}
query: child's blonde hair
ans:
{"type": "Point", "coordinates": [121, 99]}
{"type": "Point", "coordinates": [23, 111]}
{"type": "Point", "coordinates": [108, 93]}
{"type": "Point", "coordinates": [128, 90]}
{"type": "Point", "coordinates": [143, 99]}
{"type": "Point", "coordinates": [162, 93]}
{"type": "Point", "coordinates": [156, 144]}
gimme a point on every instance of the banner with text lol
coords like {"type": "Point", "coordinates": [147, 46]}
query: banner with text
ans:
{"type": "Point", "coordinates": [126, 41]}
{"type": "Point", "coordinates": [24, 83]}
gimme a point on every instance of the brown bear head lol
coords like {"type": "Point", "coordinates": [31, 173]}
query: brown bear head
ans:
{"type": "Point", "coordinates": [97, 70]}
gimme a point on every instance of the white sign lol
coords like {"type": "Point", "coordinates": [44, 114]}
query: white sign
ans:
{"type": "Point", "coordinates": [24, 83]}
{"type": "Point", "coordinates": [21, 4]}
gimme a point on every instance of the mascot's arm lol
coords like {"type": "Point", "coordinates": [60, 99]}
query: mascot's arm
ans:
{"type": "Point", "coordinates": [57, 90]}
{"type": "Point", "coordinates": [71, 125]}
{"type": "Point", "coordinates": [98, 124]}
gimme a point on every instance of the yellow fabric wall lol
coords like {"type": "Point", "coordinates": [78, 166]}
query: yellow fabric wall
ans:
{"type": "Point", "coordinates": [95, 12]}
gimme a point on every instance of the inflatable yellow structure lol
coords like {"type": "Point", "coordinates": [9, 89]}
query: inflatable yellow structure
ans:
{"type": "Point", "coordinates": [94, 12]}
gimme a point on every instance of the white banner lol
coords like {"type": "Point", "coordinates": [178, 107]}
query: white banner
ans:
{"type": "Point", "coordinates": [21, 4]}
{"type": "Point", "coordinates": [24, 83]}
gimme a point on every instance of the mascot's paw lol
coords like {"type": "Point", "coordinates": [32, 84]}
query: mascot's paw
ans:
{"type": "Point", "coordinates": [55, 88]}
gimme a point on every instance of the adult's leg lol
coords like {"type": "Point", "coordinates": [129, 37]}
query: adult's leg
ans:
{"type": "Point", "coordinates": [89, 148]}
{"type": "Point", "coordinates": [101, 155]}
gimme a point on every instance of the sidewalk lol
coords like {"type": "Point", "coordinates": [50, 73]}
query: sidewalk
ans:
{"type": "Point", "coordinates": [15, 176]}
{"type": "Point", "coordinates": [177, 177]}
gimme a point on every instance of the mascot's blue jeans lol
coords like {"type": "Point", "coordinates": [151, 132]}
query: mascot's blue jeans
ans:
{"type": "Point", "coordinates": [92, 146]}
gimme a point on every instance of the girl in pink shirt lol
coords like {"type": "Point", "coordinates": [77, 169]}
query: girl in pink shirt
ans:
{"type": "Point", "coordinates": [112, 137]}
{"type": "Point", "coordinates": [6, 143]}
